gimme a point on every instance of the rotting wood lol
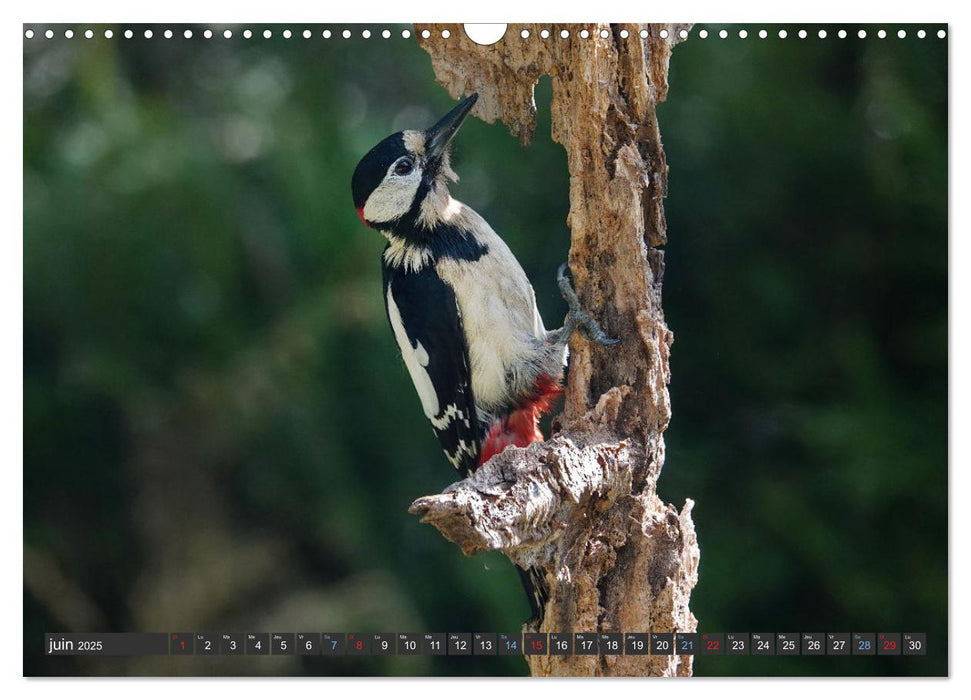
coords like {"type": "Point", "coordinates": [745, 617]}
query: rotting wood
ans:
{"type": "Point", "coordinates": [583, 506]}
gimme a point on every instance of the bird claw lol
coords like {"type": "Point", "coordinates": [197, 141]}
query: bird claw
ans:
{"type": "Point", "coordinates": [577, 318]}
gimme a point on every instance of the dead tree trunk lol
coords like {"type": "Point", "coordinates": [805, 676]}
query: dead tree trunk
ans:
{"type": "Point", "coordinates": [583, 506]}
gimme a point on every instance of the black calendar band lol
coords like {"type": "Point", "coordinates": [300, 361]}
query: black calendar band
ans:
{"type": "Point", "coordinates": [488, 644]}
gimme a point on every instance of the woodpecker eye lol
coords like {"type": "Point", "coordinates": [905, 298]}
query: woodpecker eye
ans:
{"type": "Point", "coordinates": [404, 166]}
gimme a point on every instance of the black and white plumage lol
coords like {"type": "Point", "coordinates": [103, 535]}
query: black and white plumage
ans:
{"type": "Point", "coordinates": [460, 306]}
{"type": "Point", "coordinates": [442, 377]}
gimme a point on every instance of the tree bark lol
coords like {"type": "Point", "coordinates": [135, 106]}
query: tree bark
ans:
{"type": "Point", "coordinates": [583, 506]}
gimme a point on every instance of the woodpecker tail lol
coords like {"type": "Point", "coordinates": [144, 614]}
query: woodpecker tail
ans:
{"type": "Point", "coordinates": [535, 586]}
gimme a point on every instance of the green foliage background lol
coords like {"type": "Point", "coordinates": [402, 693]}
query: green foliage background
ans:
{"type": "Point", "coordinates": [219, 434]}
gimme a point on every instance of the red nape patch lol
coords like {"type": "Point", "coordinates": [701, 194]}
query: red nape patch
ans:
{"type": "Point", "coordinates": [360, 214]}
{"type": "Point", "coordinates": [521, 427]}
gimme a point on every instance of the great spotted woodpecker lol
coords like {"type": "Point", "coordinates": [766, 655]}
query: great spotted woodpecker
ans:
{"type": "Point", "coordinates": [461, 309]}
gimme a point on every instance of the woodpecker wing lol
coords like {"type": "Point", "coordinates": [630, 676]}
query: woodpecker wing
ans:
{"type": "Point", "coordinates": [427, 325]}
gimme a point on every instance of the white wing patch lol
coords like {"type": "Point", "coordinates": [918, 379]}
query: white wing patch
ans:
{"type": "Point", "coordinates": [451, 412]}
{"type": "Point", "coordinates": [416, 360]}
{"type": "Point", "coordinates": [463, 448]}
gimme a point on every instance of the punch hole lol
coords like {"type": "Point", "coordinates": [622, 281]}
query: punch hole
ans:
{"type": "Point", "coordinates": [584, 34]}
{"type": "Point", "coordinates": [663, 34]}
{"type": "Point", "coordinates": [763, 34]}
{"type": "Point", "coordinates": [129, 33]}
{"type": "Point", "coordinates": [149, 34]}
{"type": "Point", "coordinates": [803, 33]}
{"type": "Point", "coordinates": [683, 33]}
{"type": "Point", "coordinates": [861, 33]}
{"type": "Point", "coordinates": [703, 34]}
{"type": "Point", "coordinates": [247, 33]}
{"type": "Point", "coordinates": [366, 34]}
{"type": "Point", "coordinates": [425, 34]}
{"type": "Point", "coordinates": [841, 33]}
{"type": "Point", "coordinates": [545, 34]}
{"type": "Point", "coordinates": [88, 34]}
{"type": "Point", "coordinates": [742, 34]}
{"type": "Point", "coordinates": [49, 33]}
{"type": "Point", "coordinates": [405, 34]}
{"type": "Point", "coordinates": [386, 34]}
{"type": "Point", "coordinates": [69, 34]}
{"type": "Point", "coordinates": [167, 34]}
{"type": "Point", "coordinates": [287, 34]}
{"type": "Point", "coordinates": [187, 33]}
{"type": "Point", "coordinates": [941, 34]}
{"type": "Point", "coordinates": [624, 34]}
{"type": "Point", "coordinates": [882, 34]}
{"type": "Point", "coordinates": [228, 34]}
{"type": "Point", "coordinates": [524, 34]}
{"type": "Point", "coordinates": [446, 34]}
{"type": "Point", "coordinates": [326, 34]}
{"type": "Point", "coordinates": [901, 34]}
{"type": "Point", "coordinates": [29, 34]}
{"type": "Point", "coordinates": [346, 34]}
{"type": "Point", "coordinates": [207, 34]}
{"type": "Point", "coordinates": [564, 34]}
{"type": "Point", "coordinates": [921, 33]}
{"type": "Point", "coordinates": [783, 33]}
{"type": "Point", "coordinates": [604, 33]}
{"type": "Point", "coordinates": [267, 34]}
{"type": "Point", "coordinates": [486, 34]}
{"type": "Point", "coordinates": [643, 34]}
{"type": "Point", "coordinates": [307, 34]}
{"type": "Point", "coordinates": [821, 34]}
{"type": "Point", "coordinates": [109, 33]}
{"type": "Point", "coordinates": [723, 34]}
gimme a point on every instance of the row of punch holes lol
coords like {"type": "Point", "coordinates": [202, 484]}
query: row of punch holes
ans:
{"type": "Point", "coordinates": [445, 33]}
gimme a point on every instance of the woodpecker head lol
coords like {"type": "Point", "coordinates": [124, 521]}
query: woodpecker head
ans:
{"type": "Point", "coordinates": [395, 178]}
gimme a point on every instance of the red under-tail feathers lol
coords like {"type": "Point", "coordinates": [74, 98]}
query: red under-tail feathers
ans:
{"type": "Point", "coordinates": [521, 426]}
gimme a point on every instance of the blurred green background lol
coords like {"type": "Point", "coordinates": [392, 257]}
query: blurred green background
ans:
{"type": "Point", "coordinates": [219, 433]}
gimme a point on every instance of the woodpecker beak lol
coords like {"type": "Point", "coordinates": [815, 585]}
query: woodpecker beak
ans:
{"type": "Point", "coordinates": [440, 136]}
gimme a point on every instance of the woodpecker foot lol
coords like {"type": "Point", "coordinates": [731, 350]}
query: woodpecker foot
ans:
{"type": "Point", "coordinates": [577, 318]}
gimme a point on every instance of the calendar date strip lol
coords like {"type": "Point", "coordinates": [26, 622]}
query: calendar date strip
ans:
{"type": "Point", "coordinates": [487, 644]}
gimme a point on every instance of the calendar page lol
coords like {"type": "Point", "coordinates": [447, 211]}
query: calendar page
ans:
{"type": "Point", "coordinates": [564, 349]}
